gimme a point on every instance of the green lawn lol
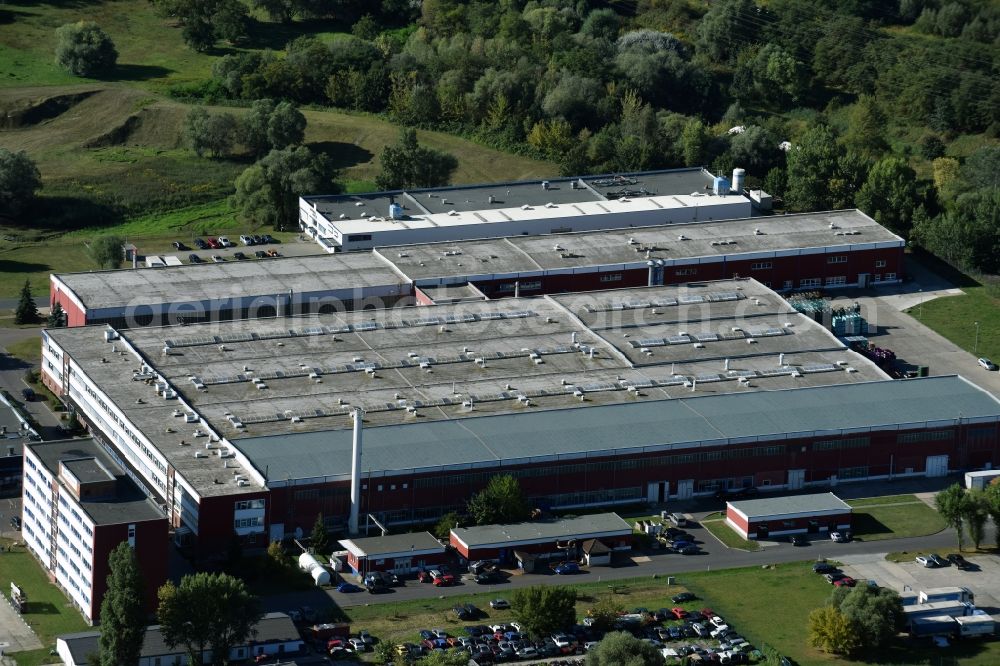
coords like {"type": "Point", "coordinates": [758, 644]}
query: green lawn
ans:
{"type": "Point", "coordinates": [29, 350]}
{"type": "Point", "coordinates": [954, 316]}
{"type": "Point", "coordinates": [724, 533]}
{"type": "Point", "coordinates": [49, 611]}
{"type": "Point", "coordinates": [898, 516]}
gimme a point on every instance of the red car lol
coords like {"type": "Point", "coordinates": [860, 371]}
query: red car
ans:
{"type": "Point", "coordinates": [846, 581]}
{"type": "Point", "coordinates": [212, 243]}
{"type": "Point", "coordinates": [423, 577]}
{"type": "Point", "coordinates": [679, 613]}
{"type": "Point", "coordinates": [444, 580]}
{"type": "Point", "coordinates": [707, 613]}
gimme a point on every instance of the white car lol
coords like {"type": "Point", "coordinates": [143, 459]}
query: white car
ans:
{"type": "Point", "coordinates": [987, 364]}
{"type": "Point", "coordinates": [562, 640]}
{"type": "Point", "coordinates": [246, 240]}
{"type": "Point", "coordinates": [717, 621]}
{"type": "Point", "coordinates": [225, 242]}
{"type": "Point", "coordinates": [840, 537]}
{"type": "Point", "coordinates": [357, 644]}
{"type": "Point", "coordinates": [589, 645]}
{"type": "Point", "coordinates": [366, 637]}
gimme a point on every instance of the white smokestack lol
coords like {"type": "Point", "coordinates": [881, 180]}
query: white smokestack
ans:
{"type": "Point", "coordinates": [352, 521]}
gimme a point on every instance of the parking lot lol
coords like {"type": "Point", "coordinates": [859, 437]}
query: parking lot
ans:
{"type": "Point", "coordinates": [983, 579]}
{"type": "Point", "coordinates": [288, 248]}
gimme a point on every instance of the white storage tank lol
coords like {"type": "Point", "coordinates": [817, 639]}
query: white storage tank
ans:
{"type": "Point", "coordinates": [739, 178]}
{"type": "Point", "coordinates": [311, 565]}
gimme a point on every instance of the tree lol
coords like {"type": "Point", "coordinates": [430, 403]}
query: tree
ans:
{"type": "Point", "coordinates": [57, 316]}
{"type": "Point", "coordinates": [106, 251]}
{"type": "Point", "coordinates": [385, 652]}
{"type": "Point", "coordinates": [831, 631]}
{"type": "Point", "coordinates": [992, 497]}
{"type": "Point", "coordinates": [286, 126]}
{"type": "Point", "coordinates": [976, 513]}
{"type": "Point", "coordinates": [621, 649]}
{"type": "Point", "coordinates": [214, 133]}
{"type": "Point", "coordinates": [544, 609]}
{"type": "Point", "coordinates": [268, 191]}
{"type": "Point", "coordinates": [950, 503]}
{"type": "Point", "coordinates": [442, 658]}
{"type": "Point", "coordinates": [19, 179]}
{"type": "Point", "coordinates": [407, 164]}
{"type": "Point", "coordinates": [604, 615]}
{"type": "Point", "coordinates": [875, 614]}
{"type": "Point", "coordinates": [813, 163]}
{"type": "Point", "coordinates": [319, 540]}
{"type": "Point", "coordinates": [502, 501]}
{"type": "Point", "coordinates": [84, 49]}
{"type": "Point", "coordinates": [694, 142]}
{"type": "Point", "coordinates": [890, 194]}
{"type": "Point", "coordinates": [27, 311]}
{"type": "Point", "coordinates": [867, 128]}
{"type": "Point", "coordinates": [726, 27]}
{"type": "Point", "coordinates": [213, 610]}
{"type": "Point", "coordinates": [442, 530]}
{"type": "Point", "coordinates": [276, 558]}
{"type": "Point", "coordinates": [205, 21]}
{"type": "Point", "coordinates": [123, 616]}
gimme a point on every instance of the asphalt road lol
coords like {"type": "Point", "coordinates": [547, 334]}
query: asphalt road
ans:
{"type": "Point", "coordinates": [12, 380]}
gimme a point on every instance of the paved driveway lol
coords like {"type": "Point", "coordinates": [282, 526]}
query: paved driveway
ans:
{"type": "Point", "coordinates": [15, 635]}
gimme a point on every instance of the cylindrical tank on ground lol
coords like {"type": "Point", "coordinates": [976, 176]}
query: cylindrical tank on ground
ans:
{"type": "Point", "coordinates": [739, 177]}
{"type": "Point", "coordinates": [311, 565]}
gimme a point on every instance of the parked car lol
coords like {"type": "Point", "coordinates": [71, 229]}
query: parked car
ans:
{"type": "Point", "coordinates": [987, 364]}
{"type": "Point", "coordinates": [443, 580]}
{"type": "Point", "coordinates": [357, 644]}
{"type": "Point", "coordinates": [180, 246]}
{"type": "Point", "coordinates": [348, 587]}
{"type": "Point", "coordinates": [823, 568]}
{"type": "Point", "coordinates": [194, 259]}
{"type": "Point", "coordinates": [217, 258]}
{"type": "Point", "coordinates": [928, 561]}
{"type": "Point", "coordinates": [200, 244]}
{"type": "Point", "coordinates": [846, 581]}
{"type": "Point", "coordinates": [690, 549]}
{"type": "Point", "coordinates": [258, 240]}
{"type": "Point", "coordinates": [840, 537]}
{"type": "Point", "coordinates": [959, 561]}
{"type": "Point", "coordinates": [799, 540]}
{"type": "Point", "coordinates": [239, 256]}
{"type": "Point", "coordinates": [938, 560]}
{"type": "Point", "coordinates": [565, 568]}
{"type": "Point", "coordinates": [269, 239]}
{"type": "Point", "coordinates": [273, 253]}
{"type": "Point", "coordinates": [224, 242]}
{"type": "Point", "coordinates": [246, 239]}
{"type": "Point", "coordinates": [366, 637]}
{"type": "Point", "coordinates": [489, 577]}
{"type": "Point", "coordinates": [683, 597]}
{"type": "Point", "coordinates": [28, 394]}
{"type": "Point", "coordinates": [834, 577]}
{"type": "Point", "coordinates": [679, 613]}
{"type": "Point", "coordinates": [212, 243]}
{"type": "Point", "coordinates": [260, 254]}
{"type": "Point", "coordinates": [499, 604]}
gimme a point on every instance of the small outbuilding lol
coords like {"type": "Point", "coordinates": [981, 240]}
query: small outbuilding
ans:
{"type": "Point", "coordinates": [543, 539]}
{"type": "Point", "coordinates": [795, 514]}
{"type": "Point", "coordinates": [398, 553]}
{"type": "Point", "coordinates": [595, 553]}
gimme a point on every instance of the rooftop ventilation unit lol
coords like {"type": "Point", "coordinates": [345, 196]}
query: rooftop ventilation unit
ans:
{"type": "Point", "coordinates": [751, 341]}
{"type": "Point", "coordinates": [682, 237]}
{"type": "Point", "coordinates": [242, 483]}
{"type": "Point", "coordinates": [191, 418]}
{"type": "Point", "coordinates": [200, 454]}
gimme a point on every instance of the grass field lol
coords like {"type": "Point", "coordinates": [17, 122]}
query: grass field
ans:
{"type": "Point", "coordinates": [724, 533]}
{"type": "Point", "coordinates": [953, 316]}
{"type": "Point", "coordinates": [894, 517]}
{"type": "Point", "coordinates": [49, 611]}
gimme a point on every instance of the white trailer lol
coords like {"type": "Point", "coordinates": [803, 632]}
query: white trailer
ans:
{"type": "Point", "coordinates": [976, 625]}
{"type": "Point", "coordinates": [938, 594]}
{"type": "Point", "coordinates": [949, 608]}
{"type": "Point", "coordinates": [980, 479]}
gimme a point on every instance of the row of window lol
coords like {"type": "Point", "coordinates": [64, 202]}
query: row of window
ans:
{"type": "Point", "coordinates": [244, 505]}
{"type": "Point", "coordinates": [523, 285]}
{"type": "Point", "coordinates": [925, 436]}
{"type": "Point", "coordinates": [121, 422]}
{"type": "Point", "coordinates": [840, 444]}
{"type": "Point", "coordinates": [314, 494]}
{"type": "Point", "coordinates": [248, 522]}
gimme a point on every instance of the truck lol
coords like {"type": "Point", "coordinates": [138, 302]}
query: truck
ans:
{"type": "Point", "coordinates": [949, 608]}
{"type": "Point", "coordinates": [933, 625]}
{"type": "Point", "coordinates": [936, 594]}
{"type": "Point", "coordinates": [981, 478]}
{"type": "Point", "coordinates": [976, 625]}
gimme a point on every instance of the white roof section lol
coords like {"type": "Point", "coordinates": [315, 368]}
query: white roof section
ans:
{"type": "Point", "coordinates": [791, 506]}
{"type": "Point", "coordinates": [580, 528]}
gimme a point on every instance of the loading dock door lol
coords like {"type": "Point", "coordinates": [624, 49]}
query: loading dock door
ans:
{"type": "Point", "coordinates": [796, 479]}
{"type": "Point", "coordinates": [685, 489]}
{"type": "Point", "coordinates": [936, 466]}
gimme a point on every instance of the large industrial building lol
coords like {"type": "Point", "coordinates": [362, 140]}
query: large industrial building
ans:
{"type": "Point", "coordinates": [590, 399]}
{"type": "Point", "coordinates": [789, 252]}
{"type": "Point", "coordinates": [350, 222]}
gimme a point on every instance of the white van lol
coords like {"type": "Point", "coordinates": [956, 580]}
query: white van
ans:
{"type": "Point", "coordinates": [678, 519]}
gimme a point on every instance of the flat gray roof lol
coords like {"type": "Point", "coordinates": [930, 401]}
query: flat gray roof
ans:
{"type": "Point", "coordinates": [88, 470]}
{"type": "Point", "coordinates": [780, 506]}
{"type": "Point", "coordinates": [577, 527]}
{"type": "Point", "coordinates": [651, 426]}
{"type": "Point", "coordinates": [524, 254]}
{"type": "Point", "coordinates": [412, 365]}
{"type": "Point", "coordinates": [392, 543]}
{"type": "Point", "coordinates": [488, 196]}
{"type": "Point", "coordinates": [230, 279]}
{"type": "Point", "coordinates": [129, 503]}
